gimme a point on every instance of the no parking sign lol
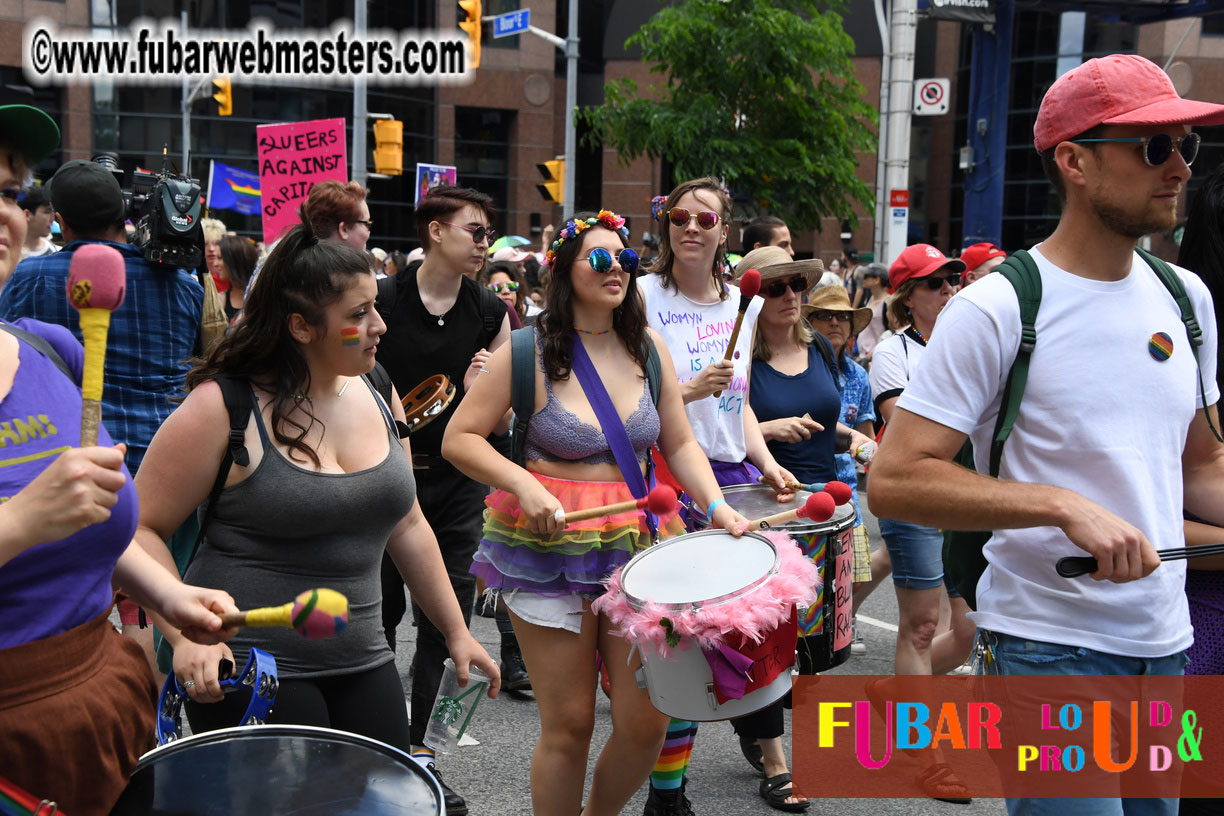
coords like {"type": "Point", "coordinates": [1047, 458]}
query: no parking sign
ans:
{"type": "Point", "coordinates": [931, 96]}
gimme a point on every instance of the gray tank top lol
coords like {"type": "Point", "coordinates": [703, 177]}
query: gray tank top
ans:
{"type": "Point", "coordinates": [285, 529]}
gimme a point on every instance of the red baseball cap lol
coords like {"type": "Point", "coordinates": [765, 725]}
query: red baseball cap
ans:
{"type": "Point", "coordinates": [1122, 89]}
{"type": "Point", "coordinates": [918, 261]}
{"type": "Point", "coordinates": [975, 255]}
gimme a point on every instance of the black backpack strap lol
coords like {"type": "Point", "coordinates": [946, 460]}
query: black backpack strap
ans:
{"type": "Point", "coordinates": [654, 370]}
{"type": "Point", "coordinates": [385, 299]}
{"type": "Point", "coordinates": [492, 312]}
{"type": "Point", "coordinates": [42, 347]}
{"type": "Point", "coordinates": [380, 381]}
{"type": "Point", "coordinates": [239, 403]}
{"type": "Point", "coordinates": [826, 352]}
{"type": "Point", "coordinates": [1173, 282]}
{"type": "Point", "coordinates": [522, 389]}
{"type": "Point", "coordinates": [1023, 275]}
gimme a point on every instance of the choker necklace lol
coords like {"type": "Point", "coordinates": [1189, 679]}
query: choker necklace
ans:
{"type": "Point", "coordinates": [592, 333]}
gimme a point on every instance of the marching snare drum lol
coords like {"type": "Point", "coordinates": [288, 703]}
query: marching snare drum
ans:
{"type": "Point", "coordinates": [714, 619]}
{"type": "Point", "coordinates": [826, 627]}
{"type": "Point", "coordinates": [279, 769]}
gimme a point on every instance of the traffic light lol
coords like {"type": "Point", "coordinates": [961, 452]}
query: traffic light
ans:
{"type": "Point", "coordinates": [472, 25]}
{"type": "Point", "coordinates": [554, 180]}
{"type": "Point", "coordinates": [388, 147]}
{"type": "Point", "coordinates": [224, 96]}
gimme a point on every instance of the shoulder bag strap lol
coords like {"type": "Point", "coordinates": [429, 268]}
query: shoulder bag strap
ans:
{"type": "Point", "coordinates": [654, 370]}
{"type": "Point", "coordinates": [1023, 275]}
{"type": "Point", "coordinates": [239, 404]}
{"type": "Point", "coordinates": [42, 347]}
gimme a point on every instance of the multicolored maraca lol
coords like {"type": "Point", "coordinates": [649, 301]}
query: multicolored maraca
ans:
{"type": "Point", "coordinates": [315, 614]}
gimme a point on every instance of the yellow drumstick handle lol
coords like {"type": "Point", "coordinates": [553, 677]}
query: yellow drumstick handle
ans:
{"type": "Point", "coordinates": [264, 616]}
{"type": "Point", "coordinates": [94, 325]}
{"type": "Point", "coordinates": [774, 520]}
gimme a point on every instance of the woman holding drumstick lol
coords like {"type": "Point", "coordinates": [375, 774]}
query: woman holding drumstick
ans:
{"type": "Point", "coordinates": [327, 488]}
{"type": "Point", "coordinates": [548, 572]}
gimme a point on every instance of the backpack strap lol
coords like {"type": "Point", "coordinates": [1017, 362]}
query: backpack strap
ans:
{"type": "Point", "coordinates": [522, 389]}
{"type": "Point", "coordinates": [239, 404]}
{"type": "Point", "coordinates": [42, 347]}
{"type": "Point", "coordinates": [826, 352]}
{"type": "Point", "coordinates": [492, 312]}
{"type": "Point", "coordinates": [380, 381]}
{"type": "Point", "coordinates": [1023, 275]}
{"type": "Point", "coordinates": [385, 299]}
{"type": "Point", "coordinates": [654, 370]}
{"type": "Point", "coordinates": [1173, 282]}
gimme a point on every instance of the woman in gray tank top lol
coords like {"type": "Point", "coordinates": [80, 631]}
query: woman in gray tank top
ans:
{"type": "Point", "coordinates": [328, 488]}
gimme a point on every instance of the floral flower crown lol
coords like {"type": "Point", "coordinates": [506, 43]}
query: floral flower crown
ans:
{"type": "Point", "coordinates": [574, 228]}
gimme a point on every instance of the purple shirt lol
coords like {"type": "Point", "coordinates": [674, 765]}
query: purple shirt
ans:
{"type": "Point", "coordinates": [57, 585]}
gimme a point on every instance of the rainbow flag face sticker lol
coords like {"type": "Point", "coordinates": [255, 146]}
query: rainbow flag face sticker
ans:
{"type": "Point", "coordinates": [350, 336]}
{"type": "Point", "coordinates": [1160, 346]}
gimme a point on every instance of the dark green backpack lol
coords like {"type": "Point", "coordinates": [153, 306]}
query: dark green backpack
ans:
{"type": "Point", "coordinates": [963, 557]}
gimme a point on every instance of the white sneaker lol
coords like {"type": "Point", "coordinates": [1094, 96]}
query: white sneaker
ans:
{"type": "Point", "coordinates": [858, 646]}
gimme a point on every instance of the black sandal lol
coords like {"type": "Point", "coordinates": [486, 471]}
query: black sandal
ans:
{"type": "Point", "coordinates": [753, 753]}
{"type": "Point", "coordinates": [941, 779]}
{"type": "Point", "coordinates": [776, 798]}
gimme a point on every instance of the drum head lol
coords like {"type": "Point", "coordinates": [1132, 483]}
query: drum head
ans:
{"type": "Point", "coordinates": [754, 501]}
{"type": "Point", "coordinates": [278, 769]}
{"type": "Point", "coordinates": [699, 568]}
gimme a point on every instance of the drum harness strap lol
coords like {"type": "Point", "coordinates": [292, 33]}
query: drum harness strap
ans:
{"type": "Point", "coordinates": [963, 556]}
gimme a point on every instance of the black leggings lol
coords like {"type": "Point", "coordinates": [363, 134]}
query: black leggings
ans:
{"type": "Point", "coordinates": [370, 703]}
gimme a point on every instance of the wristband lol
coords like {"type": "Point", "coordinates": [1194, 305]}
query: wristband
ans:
{"type": "Point", "coordinates": [713, 506]}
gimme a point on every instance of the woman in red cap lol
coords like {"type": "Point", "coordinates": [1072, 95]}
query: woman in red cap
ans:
{"type": "Point", "coordinates": [924, 280]}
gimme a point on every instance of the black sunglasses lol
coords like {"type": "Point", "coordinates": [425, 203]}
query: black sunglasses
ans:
{"type": "Point", "coordinates": [935, 283]}
{"type": "Point", "coordinates": [778, 288]}
{"type": "Point", "coordinates": [479, 234]}
{"type": "Point", "coordinates": [1158, 147]}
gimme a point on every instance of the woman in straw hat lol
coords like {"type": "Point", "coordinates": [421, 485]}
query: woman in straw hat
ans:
{"type": "Point", "coordinates": [795, 396]}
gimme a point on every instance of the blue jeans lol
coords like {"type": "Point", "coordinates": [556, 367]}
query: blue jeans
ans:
{"type": "Point", "coordinates": [1014, 655]}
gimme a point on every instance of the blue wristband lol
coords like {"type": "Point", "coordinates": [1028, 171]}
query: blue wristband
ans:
{"type": "Point", "coordinates": [713, 505]}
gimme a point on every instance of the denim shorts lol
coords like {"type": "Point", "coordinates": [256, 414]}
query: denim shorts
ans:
{"type": "Point", "coordinates": [916, 553]}
{"type": "Point", "coordinates": [554, 612]}
{"type": "Point", "coordinates": [1016, 655]}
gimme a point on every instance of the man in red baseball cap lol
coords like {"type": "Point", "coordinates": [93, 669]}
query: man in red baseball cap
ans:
{"type": "Point", "coordinates": [1112, 437]}
{"type": "Point", "coordinates": [979, 260]}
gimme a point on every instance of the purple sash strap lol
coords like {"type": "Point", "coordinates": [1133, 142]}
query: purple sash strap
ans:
{"type": "Point", "coordinates": [610, 421]}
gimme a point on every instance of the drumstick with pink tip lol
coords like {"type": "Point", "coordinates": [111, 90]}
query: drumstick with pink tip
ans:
{"type": "Point", "coordinates": [96, 284]}
{"type": "Point", "coordinates": [749, 285]}
{"type": "Point", "coordinates": [818, 507]}
{"type": "Point", "coordinates": [315, 614]}
{"type": "Point", "coordinates": [840, 491]}
{"type": "Point", "coordinates": [661, 500]}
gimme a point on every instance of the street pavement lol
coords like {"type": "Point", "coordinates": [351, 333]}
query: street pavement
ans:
{"type": "Point", "coordinates": [493, 773]}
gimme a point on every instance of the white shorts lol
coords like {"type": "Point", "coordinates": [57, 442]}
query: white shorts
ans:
{"type": "Point", "coordinates": [555, 612]}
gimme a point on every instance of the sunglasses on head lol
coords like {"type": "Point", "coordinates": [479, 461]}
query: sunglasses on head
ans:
{"type": "Point", "coordinates": [680, 217]}
{"type": "Point", "coordinates": [778, 288]}
{"type": "Point", "coordinates": [600, 260]}
{"type": "Point", "coordinates": [478, 233]}
{"type": "Point", "coordinates": [504, 286]}
{"type": "Point", "coordinates": [934, 282]}
{"type": "Point", "coordinates": [1157, 148]}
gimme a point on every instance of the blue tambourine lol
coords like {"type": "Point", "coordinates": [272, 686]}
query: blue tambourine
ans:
{"type": "Point", "coordinates": [259, 675]}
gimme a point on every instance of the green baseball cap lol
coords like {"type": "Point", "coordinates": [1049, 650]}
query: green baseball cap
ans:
{"type": "Point", "coordinates": [34, 132]}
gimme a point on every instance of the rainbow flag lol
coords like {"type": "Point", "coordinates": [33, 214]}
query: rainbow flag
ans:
{"type": "Point", "coordinates": [232, 189]}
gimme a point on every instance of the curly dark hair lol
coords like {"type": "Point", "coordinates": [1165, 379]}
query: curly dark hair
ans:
{"type": "Point", "coordinates": [302, 275]}
{"type": "Point", "coordinates": [556, 323]}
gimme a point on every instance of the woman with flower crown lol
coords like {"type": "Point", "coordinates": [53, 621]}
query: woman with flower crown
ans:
{"type": "Point", "coordinates": [548, 572]}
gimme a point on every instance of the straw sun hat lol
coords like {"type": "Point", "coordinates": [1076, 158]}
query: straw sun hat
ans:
{"type": "Point", "coordinates": [835, 299]}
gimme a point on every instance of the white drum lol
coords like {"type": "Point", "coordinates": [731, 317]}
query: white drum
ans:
{"type": "Point", "coordinates": [706, 600]}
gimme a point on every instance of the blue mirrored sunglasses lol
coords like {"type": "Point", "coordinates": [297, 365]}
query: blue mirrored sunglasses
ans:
{"type": "Point", "coordinates": [600, 260]}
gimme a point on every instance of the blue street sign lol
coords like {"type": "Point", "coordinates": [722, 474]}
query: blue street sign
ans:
{"type": "Point", "coordinates": [516, 22]}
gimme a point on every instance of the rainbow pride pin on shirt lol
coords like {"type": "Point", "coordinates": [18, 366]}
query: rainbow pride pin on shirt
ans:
{"type": "Point", "coordinates": [1160, 346]}
{"type": "Point", "coordinates": [350, 336]}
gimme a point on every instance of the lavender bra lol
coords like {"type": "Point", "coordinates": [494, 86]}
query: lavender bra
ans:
{"type": "Point", "coordinates": [555, 434]}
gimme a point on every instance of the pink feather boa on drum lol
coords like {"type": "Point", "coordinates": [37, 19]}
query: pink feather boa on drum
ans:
{"type": "Point", "coordinates": [753, 615]}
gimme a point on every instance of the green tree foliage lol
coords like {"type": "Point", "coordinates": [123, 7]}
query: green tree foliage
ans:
{"type": "Point", "coordinates": [761, 94]}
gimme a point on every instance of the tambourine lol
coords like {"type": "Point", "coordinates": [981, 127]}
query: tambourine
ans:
{"type": "Point", "coordinates": [259, 677]}
{"type": "Point", "coordinates": [426, 401]}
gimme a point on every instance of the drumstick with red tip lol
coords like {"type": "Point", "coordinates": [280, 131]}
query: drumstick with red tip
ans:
{"type": "Point", "coordinates": [749, 285]}
{"type": "Point", "coordinates": [315, 614]}
{"type": "Point", "coordinates": [661, 500]}
{"type": "Point", "coordinates": [840, 491]}
{"type": "Point", "coordinates": [96, 284]}
{"type": "Point", "coordinates": [818, 507]}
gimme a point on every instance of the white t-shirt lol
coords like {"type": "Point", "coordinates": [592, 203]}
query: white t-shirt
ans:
{"type": "Point", "coordinates": [1102, 415]}
{"type": "Point", "coordinates": [697, 335]}
{"type": "Point", "coordinates": [892, 366]}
